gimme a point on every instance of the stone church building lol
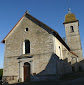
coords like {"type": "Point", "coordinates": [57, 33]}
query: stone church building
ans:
{"type": "Point", "coordinates": [36, 52]}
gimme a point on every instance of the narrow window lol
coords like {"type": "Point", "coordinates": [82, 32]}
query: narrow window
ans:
{"type": "Point", "coordinates": [59, 47]}
{"type": "Point", "coordinates": [71, 28]}
{"type": "Point", "coordinates": [60, 51]}
{"type": "Point", "coordinates": [27, 46]}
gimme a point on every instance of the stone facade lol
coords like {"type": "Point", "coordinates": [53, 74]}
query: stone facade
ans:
{"type": "Point", "coordinates": [49, 56]}
{"type": "Point", "coordinates": [41, 42]}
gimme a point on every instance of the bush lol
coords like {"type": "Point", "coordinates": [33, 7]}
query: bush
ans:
{"type": "Point", "coordinates": [1, 73]}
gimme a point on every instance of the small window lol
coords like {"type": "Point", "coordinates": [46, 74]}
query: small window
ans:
{"type": "Point", "coordinates": [71, 28]}
{"type": "Point", "coordinates": [26, 29]}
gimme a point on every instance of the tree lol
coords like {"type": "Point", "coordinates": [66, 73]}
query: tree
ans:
{"type": "Point", "coordinates": [1, 73]}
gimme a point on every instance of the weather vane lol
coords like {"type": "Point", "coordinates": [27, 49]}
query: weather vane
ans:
{"type": "Point", "coordinates": [68, 3]}
{"type": "Point", "coordinates": [69, 10]}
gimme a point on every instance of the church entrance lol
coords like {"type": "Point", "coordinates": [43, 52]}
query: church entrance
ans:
{"type": "Point", "coordinates": [26, 72]}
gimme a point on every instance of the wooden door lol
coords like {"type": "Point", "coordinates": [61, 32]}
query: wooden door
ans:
{"type": "Point", "coordinates": [26, 72]}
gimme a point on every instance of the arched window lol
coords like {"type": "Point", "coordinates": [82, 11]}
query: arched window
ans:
{"type": "Point", "coordinates": [72, 28]}
{"type": "Point", "coordinates": [26, 47]}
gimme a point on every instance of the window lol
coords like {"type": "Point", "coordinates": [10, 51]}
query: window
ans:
{"type": "Point", "coordinates": [60, 51]}
{"type": "Point", "coordinates": [71, 28]}
{"type": "Point", "coordinates": [26, 47]}
{"type": "Point", "coordinates": [26, 29]}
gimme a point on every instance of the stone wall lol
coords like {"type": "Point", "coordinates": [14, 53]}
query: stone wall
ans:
{"type": "Point", "coordinates": [41, 41]}
{"type": "Point", "coordinates": [73, 39]}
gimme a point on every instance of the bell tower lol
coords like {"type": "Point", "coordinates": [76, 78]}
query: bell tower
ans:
{"type": "Point", "coordinates": [72, 34]}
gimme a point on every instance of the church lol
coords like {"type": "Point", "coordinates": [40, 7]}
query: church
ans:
{"type": "Point", "coordinates": [36, 52]}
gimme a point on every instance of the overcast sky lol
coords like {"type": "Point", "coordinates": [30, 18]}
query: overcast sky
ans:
{"type": "Point", "coordinates": [50, 12]}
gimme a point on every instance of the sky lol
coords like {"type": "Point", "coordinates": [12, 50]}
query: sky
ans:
{"type": "Point", "coordinates": [50, 12]}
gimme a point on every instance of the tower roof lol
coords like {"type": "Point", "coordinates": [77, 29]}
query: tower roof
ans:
{"type": "Point", "coordinates": [70, 17]}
